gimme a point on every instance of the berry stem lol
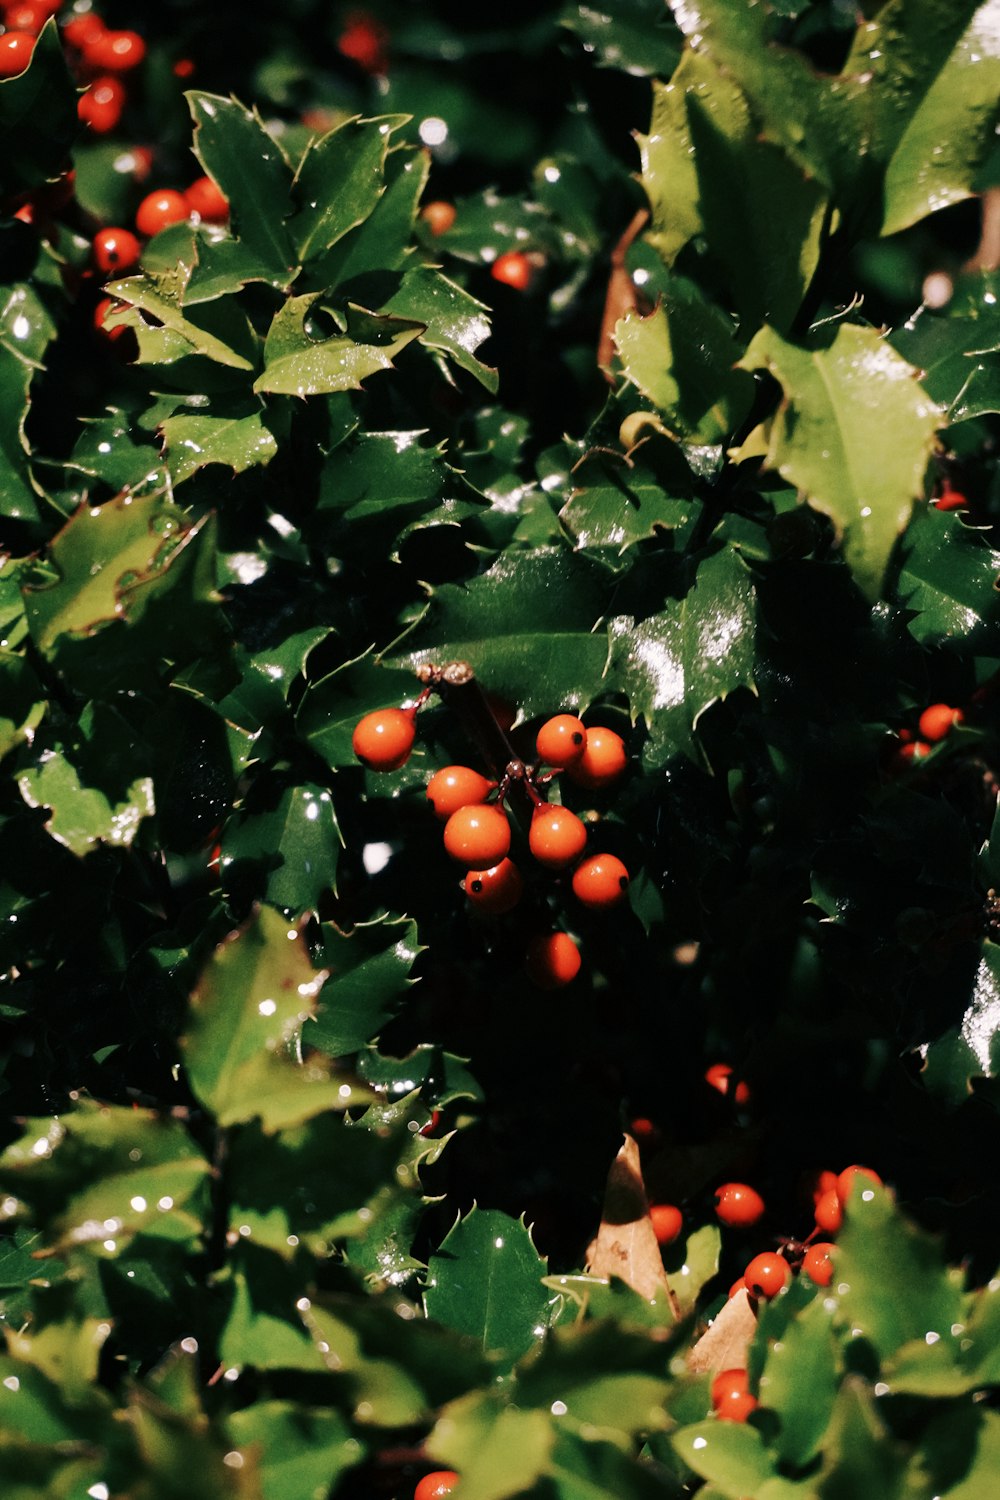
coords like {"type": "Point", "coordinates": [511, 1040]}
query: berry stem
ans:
{"type": "Point", "coordinates": [456, 684]}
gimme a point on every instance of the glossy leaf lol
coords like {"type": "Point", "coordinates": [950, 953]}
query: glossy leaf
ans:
{"type": "Point", "coordinates": [828, 438]}
{"type": "Point", "coordinates": [37, 116]}
{"type": "Point", "coordinates": [606, 520]}
{"type": "Point", "coordinates": [369, 976]}
{"type": "Point", "coordinates": [332, 708]}
{"type": "Point", "coordinates": [453, 322]}
{"type": "Point", "coordinates": [81, 816]}
{"type": "Point", "coordinates": [287, 855]}
{"type": "Point", "coordinates": [296, 364]}
{"type": "Point", "coordinates": [26, 330]}
{"type": "Point", "coordinates": [238, 438]}
{"type": "Point", "coordinates": [381, 242]}
{"type": "Point", "coordinates": [485, 1281]}
{"type": "Point", "coordinates": [339, 181]}
{"type": "Point", "coordinates": [636, 36]}
{"type": "Point", "coordinates": [971, 1049]}
{"type": "Point", "coordinates": [698, 649]}
{"type": "Point", "coordinates": [247, 1013]}
{"type": "Point", "coordinates": [247, 164]}
{"type": "Point", "coordinates": [947, 580]}
{"type": "Point", "coordinates": [956, 346]}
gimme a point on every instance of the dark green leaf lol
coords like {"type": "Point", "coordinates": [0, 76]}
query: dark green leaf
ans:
{"type": "Point", "coordinates": [292, 850]}
{"type": "Point", "coordinates": [948, 580]}
{"type": "Point", "coordinates": [37, 116]}
{"type": "Point", "coordinates": [454, 323]}
{"type": "Point", "coordinates": [339, 182]}
{"type": "Point", "coordinates": [956, 346]}
{"type": "Point", "coordinates": [369, 977]}
{"type": "Point", "coordinates": [635, 35]}
{"type": "Point", "coordinates": [249, 167]}
{"type": "Point", "coordinates": [231, 433]}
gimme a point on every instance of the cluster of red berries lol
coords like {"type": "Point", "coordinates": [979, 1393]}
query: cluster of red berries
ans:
{"type": "Point", "coordinates": [22, 21]}
{"type": "Point", "coordinates": [934, 724]}
{"type": "Point", "coordinates": [477, 830]}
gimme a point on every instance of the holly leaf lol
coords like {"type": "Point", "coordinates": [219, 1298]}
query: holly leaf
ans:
{"type": "Point", "coordinates": [38, 120]}
{"type": "Point", "coordinates": [244, 1029]}
{"type": "Point", "coordinates": [298, 1449]}
{"type": "Point", "coordinates": [956, 347]}
{"type": "Point", "coordinates": [339, 181]}
{"type": "Point", "coordinates": [502, 1304]}
{"type": "Point", "coordinates": [634, 35]}
{"type": "Point", "coordinates": [298, 364]}
{"type": "Point", "coordinates": [854, 432]}
{"type": "Point", "coordinates": [370, 976]}
{"type": "Point", "coordinates": [607, 520]}
{"type": "Point", "coordinates": [732, 1455]}
{"type": "Point", "coordinates": [948, 582]}
{"type": "Point", "coordinates": [233, 433]}
{"type": "Point", "coordinates": [22, 702]}
{"type": "Point", "coordinates": [678, 662]}
{"type": "Point", "coordinates": [81, 816]}
{"type": "Point", "coordinates": [971, 1049]}
{"type": "Point", "coordinates": [248, 166]}
{"type": "Point", "coordinates": [454, 323]}
{"type": "Point", "coordinates": [330, 710]}
{"type": "Point", "coordinates": [26, 330]}
{"type": "Point", "coordinates": [286, 856]}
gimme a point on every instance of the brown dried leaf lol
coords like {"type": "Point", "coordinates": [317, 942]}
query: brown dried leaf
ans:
{"type": "Point", "coordinates": [724, 1344]}
{"type": "Point", "coordinates": [626, 1244]}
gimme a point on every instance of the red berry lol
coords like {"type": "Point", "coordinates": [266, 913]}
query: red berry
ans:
{"type": "Point", "coordinates": [823, 1182]}
{"type": "Point", "coordinates": [729, 1383]}
{"type": "Point", "coordinates": [600, 881]}
{"type": "Point", "coordinates": [438, 216]}
{"type": "Point", "coordinates": [556, 836]}
{"type": "Point", "coordinates": [455, 787]}
{"type": "Point", "coordinates": [115, 51]}
{"type": "Point", "coordinates": [739, 1285]}
{"type": "Point", "coordinates": [478, 836]}
{"type": "Point", "coordinates": [116, 250]}
{"type": "Point", "coordinates": [82, 31]}
{"type": "Point", "coordinates": [767, 1274]}
{"type": "Point", "coordinates": [101, 107]}
{"type": "Point", "coordinates": [737, 1408]}
{"type": "Point", "coordinates": [720, 1077]}
{"type": "Point", "coordinates": [668, 1222]}
{"type": "Point", "coordinates": [513, 268]}
{"type": "Point", "coordinates": [552, 960]}
{"type": "Point", "coordinates": [105, 306]}
{"type": "Point", "coordinates": [383, 739]}
{"type": "Point", "coordinates": [561, 740]}
{"type": "Point", "coordinates": [950, 499]}
{"type": "Point", "coordinates": [206, 199]}
{"type": "Point", "coordinates": [738, 1205]}
{"type": "Point", "coordinates": [937, 720]}
{"type": "Point", "coordinates": [16, 48]}
{"type": "Point", "coordinates": [817, 1263]}
{"type": "Point", "coordinates": [603, 759]}
{"type": "Point", "coordinates": [29, 16]}
{"type": "Point", "coordinates": [829, 1214]}
{"type": "Point", "coordinates": [643, 1129]}
{"type": "Point", "coordinates": [436, 1486]}
{"type": "Point", "coordinates": [495, 890]}
{"type": "Point", "coordinates": [184, 67]}
{"type": "Point", "coordinates": [365, 41]}
{"type": "Point", "coordinates": [918, 750]}
{"type": "Point", "coordinates": [849, 1176]}
{"type": "Point", "coordinates": [158, 209]}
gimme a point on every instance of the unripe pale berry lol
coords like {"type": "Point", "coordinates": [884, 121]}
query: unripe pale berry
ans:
{"type": "Point", "coordinates": [477, 836]}
{"type": "Point", "coordinates": [383, 739]}
{"type": "Point", "coordinates": [561, 740]}
{"type": "Point", "coordinates": [600, 881]}
{"type": "Point", "coordinates": [455, 787]}
{"type": "Point", "coordinates": [767, 1274]}
{"type": "Point", "coordinates": [603, 759]}
{"type": "Point", "coordinates": [738, 1205]}
{"type": "Point", "coordinates": [496, 890]}
{"type": "Point", "coordinates": [556, 836]}
{"type": "Point", "coordinates": [552, 960]}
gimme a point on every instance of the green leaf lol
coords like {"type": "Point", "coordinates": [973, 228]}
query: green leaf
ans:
{"type": "Point", "coordinates": [705, 166]}
{"type": "Point", "coordinates": [247, 1012]}
{"type": "Point", "coordinates": [453, 322]}
{"type": "Point", "coordinates": [38, 119]}
{"type": "Point", "coordinates": [442, 1076]}
{"type": "Point", "coordinates": [499, 1450]}
{"type": "Point", "coordinates": [339, 181]}
{"type": "Point", "coordinates": [947, 580]}
{"type": "Point", "coordinates": [370, 975]}
{"type": "Point", "coordinates": [296, 364]}
{"type": "Point", "coordinates": [384, 241]}
{"type": "Point", "coordinates": [633, 35]}
{"type": "Point", "coordinates": [218, 333]}
{"type": "Point", "coordinates": [263, 1326]}
{"type": "Point", "coordinates": [677, 663]}
{"type": "Point", "coordinates": [607, 520]}
{"type": "Point", "coordinates": [113, 449]}
{"type": "Point", "coordinates": [300, 1450]}
{"type": "Point", "coordinates": [486, 1281]}
{"type": "Point", "coordinates": [83, 816]}
{"type": "Point", "coordinates": [955, 347]}
{"type": "Point", "coordinates": [971, 1049]}
{"type": "Point", "coordinates": [247, 164]}
{"type": "Point", "coordinates": [526, 625]}
{"type": "Point", "coordinates": [330, 710]}
{"type": "Point", "coordinates": [232, 433]}
{"type": "Point", "coordinates": [691, 1264]}
{"type": "Point", "coordinates": [859, 1457]}
{"type": "Point", "coordinates": [22, 705]}
{"type": "Point", "coordinates": [596, 1378]}
{"type": "Point", "coordinates": [101, 1174]}
{"type": "Point", "coordinates": [854, 432]}
{"type": "Point", "coordinates": [800, 1380]}
{"type": "Point", "coordinates": [26, 330]}
{"type": "Point", "coordinates": [582, 1469]}
{"type": "Point", "coordinates": [291, 850]}
{"type": "Point", "coordinates": [731, 1455]}
{"type": "Point", "coordinates": [681, 357]}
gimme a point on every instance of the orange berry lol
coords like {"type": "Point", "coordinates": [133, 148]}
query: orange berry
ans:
{"type": "Point", "coordinates": [552, 960]}
{"type": "Point", "coordinates": [184, 67]}
{"type": "Point", "coordinates": [737, 1408]}
{"type": "Point", "coordinates": [16, 48]}
{"type": "Point", "coordinates": [115, 51]}
{"type": "Point", "coordinates": [383, 739]}
{"type": "Point", "coordinates": [603, 759]}
{"type": "Point", "coordinates": [160, 208]}
{"type": "Point", "coordinates": [455, 787]}
{"type": "Point", "coordinates": [495, 890]}
{"type": "Point", "coordinates": [643, 1129]}
{"type": "Point", "coordinates": [937, 720]}
{"type": "Point", "coordinates": [849, 1176]}
{"type": "Point", "coordinates": [720, 1077]}
{"type": "Point", "coordinates": [29, 16]}
{"type": "Point", "coordinates": [556, 836]}
{"type": "Point", "coordinates": [767, 1274]}
{"type": "Point", "coordinates": [478, 836]}
{"type": "Point", "coordinates": [823, 1182]}
{"type": "Point", "coordinates": [514, 269]}
{"type": "Point", "coordinates": [102, 106]}
{"type": "Point", "coordinates": [116, 250]}
{"type": "Point", "coordinates": [438, 216]}
{"type": "Point", "coordinates": [917, 750]}
{"type": "Point", "coordinates": [829, 1213]}
{"type": "Point", "coordinates": [206, 199]}
{"type": "Point", "coordinates": [729, 1383]}
{"type": "Point", "coordinates": [668, 1222]}
{"type": "Point", "coordinates": [817, 1263]}
{"type": "Point", "coordinates": [738, 1205]}
{"type": "Point", "coordinates": [600, 881]}
{"type": "Point", "coordinates": [436, 1486]}
{"type": "Point", "coordinates": [561, 740]}
{"type": "Point", "coordinates": [365, 41]}
{"type": "Point", "coordinates": [82, 31]}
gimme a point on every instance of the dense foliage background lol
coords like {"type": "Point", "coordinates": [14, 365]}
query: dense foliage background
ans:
{"type": "Point", "coordinates": [302, 1171]}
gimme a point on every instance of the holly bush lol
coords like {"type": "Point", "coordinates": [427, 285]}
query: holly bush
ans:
{"type": "Point", "coordinates": [638, 364]}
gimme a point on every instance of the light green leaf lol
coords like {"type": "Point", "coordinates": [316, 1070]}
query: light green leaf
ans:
{"type": "Point", "coordinates": [730, 1454]}
{"type": "Point", "coordinates": [854, 432]}
{"type": "Point", "coordinates": [296, 364]}
{"type": "Point", "coordinates": [83, 816]}
{"type": "Point", "coordinates": [300, 1450]}
{"type": "Point", "coordinates": [230, 433]}
{"type": "Point", "coordinates": [454, 322]}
